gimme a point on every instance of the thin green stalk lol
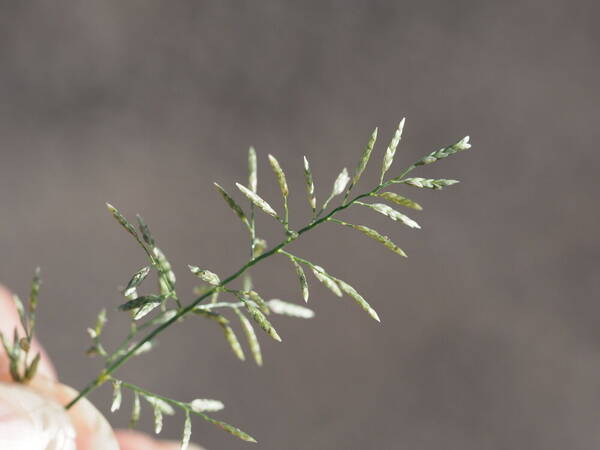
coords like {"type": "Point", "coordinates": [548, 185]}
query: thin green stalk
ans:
{"type": "Point", "coordinates": [106, 373]}
{"type": "Point", "coordinates": [325, 205]}
{"type": "Point", "coordinates": [398, 178]}
{"type": "Point", "coordinates": [297, 258]}
{"type": "Point", "coordinates": [136, 388]}
{"type": "Point", "coordinates": [134, 331]}
{"type": "Point", "coordinates": [286, 213]}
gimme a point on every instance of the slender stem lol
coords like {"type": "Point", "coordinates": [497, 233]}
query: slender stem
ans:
{"type": "Point", "coordinates": [341, 222]}
{"type": "Point", "coordinates": [184, 406]}
{"type": "Point", "coordinates": [132, 334]}
{"type": "Point", "coordinates": [121, 348]}
{"type": "Point", "coordinates": [297, 258]}
{"type": "Point", "coordinates": [105, 374]}
{"type": "Point", "coordinates": [325, 205]}
{"type": "Point", "coordinates": [136, 388]}
{"type": "Point", "coordinates": [399, 177]}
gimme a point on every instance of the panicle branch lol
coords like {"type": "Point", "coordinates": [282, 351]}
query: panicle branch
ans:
{"type": "Point", "coordinates": [246, 305]}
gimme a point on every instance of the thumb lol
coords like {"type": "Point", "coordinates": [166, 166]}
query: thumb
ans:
{"type": "Point", "coordinates": [29, 421]}
{"type": "Point", "coordinates": [32, 418]}
{"type": "Point", "coordinates": [93, 431]}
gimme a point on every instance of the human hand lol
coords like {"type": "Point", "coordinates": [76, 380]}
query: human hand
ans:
{"type": "Point", "coordinates": [32, 416]}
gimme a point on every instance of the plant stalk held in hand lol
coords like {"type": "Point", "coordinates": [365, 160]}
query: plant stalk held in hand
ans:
{"type": "Point", "coordinates": [217, 299]}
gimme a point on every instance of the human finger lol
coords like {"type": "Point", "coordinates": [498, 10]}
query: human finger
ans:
{"type": "Point", "coordinates": [134, 440]}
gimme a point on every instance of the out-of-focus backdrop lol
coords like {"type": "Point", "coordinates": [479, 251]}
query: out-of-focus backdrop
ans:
{"type": "Point", "coordinates": [489, 335]}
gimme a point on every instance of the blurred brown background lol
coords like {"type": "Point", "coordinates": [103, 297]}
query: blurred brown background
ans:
{"type": "Point", "coordinates": [489, 337]}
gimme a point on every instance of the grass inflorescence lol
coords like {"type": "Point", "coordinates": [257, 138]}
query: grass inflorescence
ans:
{"type": "Point", "coordinates": [152, 314]}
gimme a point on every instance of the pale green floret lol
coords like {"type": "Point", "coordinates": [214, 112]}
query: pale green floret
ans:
{"type": "Point", "coordinates": [254, 198]}
{"type": "Point", "coordinates": [252, 173]}
{"type": "Point", "coordinates": [327, 281]}
{"type": "Point", "coordinates": [205, 275]}
{"type": "Point", "coordinates": [310, 186]}
{"type": "Point", "coordinates": [391, 150]}
{"type": "Point", "coordinates": [206, 405]}
{"type": "Point", "coordinates": [290, 309]}
{"type": "Point", "coordinates": [280, 175]}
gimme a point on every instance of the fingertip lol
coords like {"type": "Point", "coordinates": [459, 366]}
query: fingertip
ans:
{"type": "Point", "coordinates": [29, 420]}
{"type": "Point", "coordinates": [93, 430]}
{"type": "Point", "coordinates": [135, 440]}
{"type": "Point", "coordinates": [132, 440]}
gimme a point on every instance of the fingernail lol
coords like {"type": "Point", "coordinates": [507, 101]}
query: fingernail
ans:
{"type": "Point", "coordinates": [29, 421]}
{"type": "Point", "coordinates": [93, 430]}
